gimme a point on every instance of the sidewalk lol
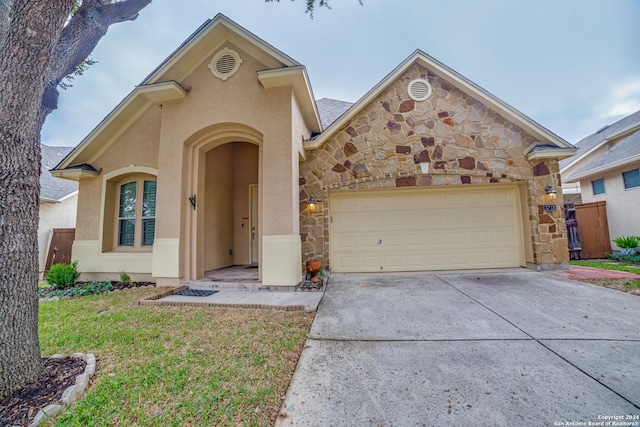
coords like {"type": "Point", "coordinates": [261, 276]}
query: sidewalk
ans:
{"type": "Point", "coordinates": [279, 300]}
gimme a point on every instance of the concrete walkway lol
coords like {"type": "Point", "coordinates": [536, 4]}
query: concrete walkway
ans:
{"type": "Point", "coordinates": [490, 349]}
{"type": "Point", "coordinates": [289, 301]}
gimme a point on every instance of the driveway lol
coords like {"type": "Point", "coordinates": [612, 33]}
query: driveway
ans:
{"type": "Point", "coordinates": [493, 348]}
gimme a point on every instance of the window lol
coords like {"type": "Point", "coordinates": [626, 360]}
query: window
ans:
{"type": "Point", "coordinates": [598, 186]}
{"type": "Point", "coordinates": [631, 178]}
{"type": "Point", "coordinates": [134, 216]}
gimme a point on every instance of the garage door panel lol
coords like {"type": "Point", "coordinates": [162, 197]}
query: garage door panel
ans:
{"type": "Point", "coordinates": [427, 229]}
{"type": "Point", "coordinates": [480, 258]}
{"type": "Point", "coordinates": [369, 242]}
{"type": "Point", "coordinates": [344, 242]}
{"type": "Point", "coordinates": [348, 263]}
{"type": "Point", "coordinates": [480, 237]}
{"type": "Point", "coordinates": [503, 236]}
{"type": "Point", "coordinates": [372, 262]}
{"type": "Point", "coordinates": [415, 240]}
{"type": "Point", "coordinates": [415, 260]}
{"type": "Point", "coordinates": [455, 217]}
{"type": "Point", "coordinates": [392, 241]}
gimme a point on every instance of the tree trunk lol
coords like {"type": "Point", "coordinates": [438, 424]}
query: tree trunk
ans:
{"type": "Point", "coordinates": [24, 64]}
{"type": "Point", "coordinates": [37, 50]}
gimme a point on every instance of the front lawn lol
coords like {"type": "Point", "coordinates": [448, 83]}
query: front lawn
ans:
{"type": "Point", "coordinates": [631, 286]}
{"type": "Point", "coordinates": [175, 366]}
{"type": "Point", "coordinates": [608, 265]}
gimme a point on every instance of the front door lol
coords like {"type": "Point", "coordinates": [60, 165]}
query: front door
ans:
{"type": "Point", "coordinates": [253, 220]}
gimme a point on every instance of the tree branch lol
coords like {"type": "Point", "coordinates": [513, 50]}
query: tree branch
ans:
{"type": "Point", "coordinates": [85, 29]}
{"type": "Point", "coordinates": [80, 36]}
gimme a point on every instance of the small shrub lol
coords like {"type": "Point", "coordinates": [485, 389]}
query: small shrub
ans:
{"type": "Point", "coordinates": [619, 256]}
{"type": "Point", "coordinates": [627, 242]}
{"type": "Point", "coordinates": [84, 289]}
{"type": "Point", "coordinates": [63, 276]}
{"type": "Point", "coordinates": [125, 278]}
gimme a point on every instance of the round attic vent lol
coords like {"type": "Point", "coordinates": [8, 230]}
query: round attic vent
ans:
{"type": "Point", "coordinates": [225, 63]}
{"type": "Point", "coordinates": [419, 89]}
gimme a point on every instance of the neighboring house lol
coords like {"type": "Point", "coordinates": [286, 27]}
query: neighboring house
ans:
{"type": "Point", "coordinates": [219, 157]}
{"type": "Point", "coordinates": [58, 201]}
{"type": "Point", "coordinates": [607, 167]}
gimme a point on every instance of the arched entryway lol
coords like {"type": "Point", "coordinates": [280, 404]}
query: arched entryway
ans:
{"type": "Point", "coordinates": [230, 229]}
{"type": "Point", "coordinates": [222, 225]}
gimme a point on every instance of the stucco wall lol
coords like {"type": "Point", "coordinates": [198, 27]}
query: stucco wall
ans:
{"type": "Point", "coordinates": [623, 204]}
{"type": "Point", "coordinates": [218, 204]}
{"type": "Point", "coordinates": [245, 165]}
{"type": "Point", "coordinates": [138, 145]}
{"type": "Point", "coordinates": [463, 143]}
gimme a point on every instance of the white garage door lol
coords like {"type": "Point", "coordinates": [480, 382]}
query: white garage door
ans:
{"type": "Point", "coordinates": [425, 229]}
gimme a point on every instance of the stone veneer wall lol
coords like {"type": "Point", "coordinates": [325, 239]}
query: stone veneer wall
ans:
{"type": "Point", "coordinates": [463, 142]}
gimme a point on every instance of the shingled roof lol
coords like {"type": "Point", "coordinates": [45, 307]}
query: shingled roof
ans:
{"type": "Point", "coordinates": [623, 138]}
{"type": "Point", "coordinates": [54, 189]}
{"type": "Point", "coordinates": [330, 109]}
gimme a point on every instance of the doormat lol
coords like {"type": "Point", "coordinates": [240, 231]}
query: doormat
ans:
{"type": "Point", "coordinates": [252, 266]}
{"type": "Point", "coordinates": [195, 293]}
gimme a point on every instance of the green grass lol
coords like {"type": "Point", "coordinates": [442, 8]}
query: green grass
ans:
{"type": "Point", "coordinates": [608, 265]}
{"type": "Point", "coordinates": [175, 366]}
{"type": "Point", "coordinates": [632, 284]}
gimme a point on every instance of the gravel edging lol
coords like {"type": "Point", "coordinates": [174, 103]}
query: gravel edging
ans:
{"type": "Point", "coordinates": [72, 393]}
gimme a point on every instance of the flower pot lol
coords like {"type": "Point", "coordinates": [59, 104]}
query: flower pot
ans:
{"type": "Point", "coordinates": [313, 265]}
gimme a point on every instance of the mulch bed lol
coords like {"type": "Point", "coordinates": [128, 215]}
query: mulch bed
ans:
{"type": "Point", "coordinates": [23, 405]}
{"type": "Point", "coordinates": [19, 408]}
{"type": "Point", "coordinates": [120, 286]}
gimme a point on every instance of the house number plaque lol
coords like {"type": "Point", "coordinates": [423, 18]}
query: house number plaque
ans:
{"type": "Point", "coordinates": [550, 208]}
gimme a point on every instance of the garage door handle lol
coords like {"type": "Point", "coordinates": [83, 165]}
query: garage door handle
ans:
{"type": "Point", "coordinates": [380, 241]}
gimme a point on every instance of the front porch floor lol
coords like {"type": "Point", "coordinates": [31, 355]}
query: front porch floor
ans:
{"type": "Point", "coordinates": [238, 286]}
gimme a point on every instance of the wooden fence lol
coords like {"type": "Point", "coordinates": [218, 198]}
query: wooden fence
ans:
{"type": "Point", "coordinates": [60, 247]}
{"type": "Point", "coordinates": [588, 230]}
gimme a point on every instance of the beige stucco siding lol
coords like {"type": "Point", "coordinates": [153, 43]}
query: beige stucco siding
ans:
{"type": "Point", "coordinates": [218, 204]}
{"type": "Point", "coordinates": [138, 145]}
{"type": "Point", "coordinates": [240, 99]}
{"type": "Point", "coordinates": [623, 204]}
{"type": "Point", "coordinates": [245, 164]}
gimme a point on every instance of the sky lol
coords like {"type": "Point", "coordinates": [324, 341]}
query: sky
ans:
{"type": "Point", "coordinates": [573, 66]}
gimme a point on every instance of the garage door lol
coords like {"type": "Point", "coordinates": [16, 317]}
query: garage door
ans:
{"type": "Point", "coordinates": [425, 229]}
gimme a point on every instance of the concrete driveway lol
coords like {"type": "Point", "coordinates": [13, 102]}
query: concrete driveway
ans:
{"type": "Point", "coordinates": [491, 349]}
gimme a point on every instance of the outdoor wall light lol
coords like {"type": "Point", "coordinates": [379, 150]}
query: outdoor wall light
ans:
{"type": "Point", "coordinates": [192, 199]}
{"type": "Point", "coordinates": [551, 193]}
{"type": "Point", "coordinates": [311, 204]}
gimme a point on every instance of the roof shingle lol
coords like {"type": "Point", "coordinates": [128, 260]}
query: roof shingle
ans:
{"type": "Point", "coordinates": [54, 188]}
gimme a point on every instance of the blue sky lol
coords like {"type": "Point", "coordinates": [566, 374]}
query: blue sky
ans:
{"type": "Point", "coordinates": [571, 65]}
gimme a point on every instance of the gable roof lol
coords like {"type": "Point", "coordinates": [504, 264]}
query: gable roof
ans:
{"type": "Point", "coordinates": [622, 140]}
{"type": "Point", "coordinates": [551, 144]}
{"type": "Point", "coordinates": [163, 85]}
{"type": "Point", "coordinates": [54, 189]}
